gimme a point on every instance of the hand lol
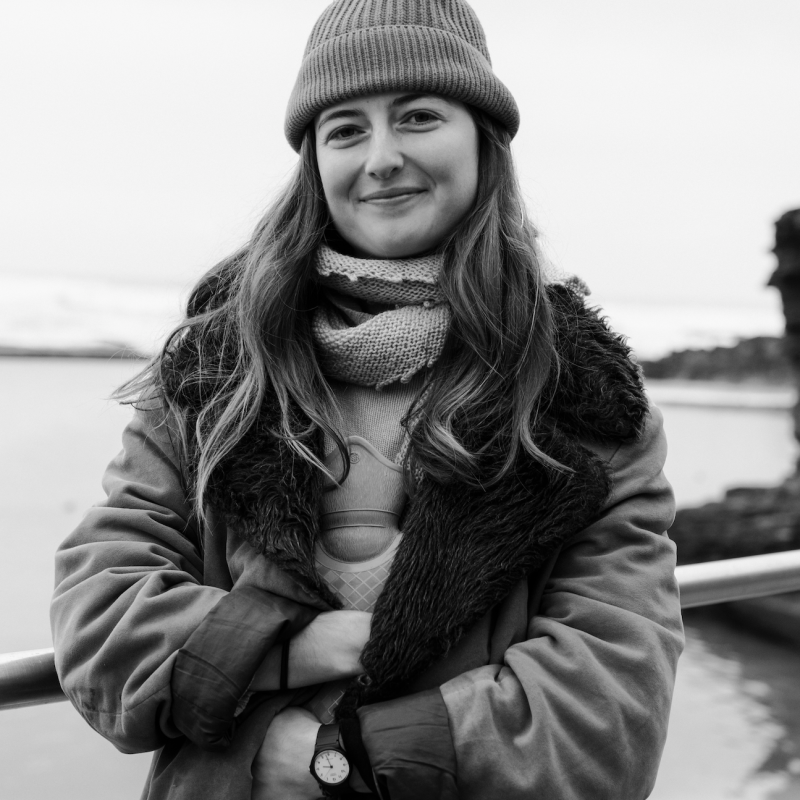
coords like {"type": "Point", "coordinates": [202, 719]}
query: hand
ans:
{"type": "Point", "coordinates": [280, 769]}
{"type": "Point", "coordinates": [327, 649]}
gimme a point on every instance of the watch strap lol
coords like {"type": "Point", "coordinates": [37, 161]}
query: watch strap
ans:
{"type": "Point", "coordinates": [350, 734]}
{"type": "Point", "coordinates": [328, 738]}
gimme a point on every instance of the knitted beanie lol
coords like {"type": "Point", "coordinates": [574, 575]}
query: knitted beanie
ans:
{"type": "Point", "coordinates": [360, 47]}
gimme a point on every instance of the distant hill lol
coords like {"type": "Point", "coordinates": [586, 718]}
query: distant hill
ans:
{"type": "Point", "coordinates": [760, 359]}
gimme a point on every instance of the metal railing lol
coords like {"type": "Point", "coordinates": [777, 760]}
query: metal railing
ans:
{"type": "Point", "coordinates": [29, 678]}
{"type": "Point", "coordinates": [738, 578]}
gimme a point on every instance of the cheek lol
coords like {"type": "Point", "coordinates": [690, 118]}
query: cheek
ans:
{"type": "Point", "coordinates": [335, 178]}
{"type": "Point", "coordinates": [458, 171]}
{"type": "Point", "coordinates": [468, 185]}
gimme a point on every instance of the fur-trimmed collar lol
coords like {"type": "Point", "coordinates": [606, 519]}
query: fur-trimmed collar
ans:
{"type": "Point", "coordinates": [463, 548]}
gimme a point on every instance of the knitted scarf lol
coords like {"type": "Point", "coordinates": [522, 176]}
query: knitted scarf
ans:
{"type": "Point", "coordinates": [378, 349]}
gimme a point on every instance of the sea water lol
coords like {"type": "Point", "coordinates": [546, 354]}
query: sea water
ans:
{"type": "Point", "coordinates": [733, 732]}
{"type": "Point", "coordinates": [57, 433]}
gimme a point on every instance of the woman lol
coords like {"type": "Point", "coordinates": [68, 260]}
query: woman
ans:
{"type": "Point", "coordinates": [391, 515]}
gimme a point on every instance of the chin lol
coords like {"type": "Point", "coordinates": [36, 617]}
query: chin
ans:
{"type": "Point", "coordinates": [397, 246]}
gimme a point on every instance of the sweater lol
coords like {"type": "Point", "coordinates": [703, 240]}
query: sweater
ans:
{"type": "Point", "coordinates": [359, 518]}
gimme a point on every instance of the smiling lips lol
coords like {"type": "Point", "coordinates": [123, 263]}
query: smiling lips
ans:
{"type": "Point", "coordinates": [390, 196]}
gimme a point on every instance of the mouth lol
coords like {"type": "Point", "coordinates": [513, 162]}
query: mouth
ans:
{"type": "Point", "coordinates": [390, 196]}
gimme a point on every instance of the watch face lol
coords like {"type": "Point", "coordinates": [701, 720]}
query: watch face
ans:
{"type": "Point", "coordinates": [331, 767]}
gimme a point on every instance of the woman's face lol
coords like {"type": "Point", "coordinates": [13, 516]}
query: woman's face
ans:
{"type": "Point", "coordinates": [399, 170]}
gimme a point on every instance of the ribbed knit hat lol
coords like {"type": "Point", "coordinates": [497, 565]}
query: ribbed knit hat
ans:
{"type": "Point", "coordinates": [360, 47]}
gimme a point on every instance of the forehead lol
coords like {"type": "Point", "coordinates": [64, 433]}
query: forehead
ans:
{"type": "Point", "coordinates": [372, 103]}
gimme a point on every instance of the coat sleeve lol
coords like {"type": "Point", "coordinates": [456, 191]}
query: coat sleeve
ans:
{"type": "Point", "coordinates": [142, 646]}
{"type": "Point", "coordinates": [580, 708]}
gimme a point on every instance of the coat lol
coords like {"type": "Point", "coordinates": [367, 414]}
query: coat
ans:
{"type": "Point", "coordinates": [524, 645]}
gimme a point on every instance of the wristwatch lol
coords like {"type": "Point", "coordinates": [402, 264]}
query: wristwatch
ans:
{"type": "Point", "coordinates": [330, 765]}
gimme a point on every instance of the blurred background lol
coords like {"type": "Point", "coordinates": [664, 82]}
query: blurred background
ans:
{"type": "Point", "coordinates": [141, 141]}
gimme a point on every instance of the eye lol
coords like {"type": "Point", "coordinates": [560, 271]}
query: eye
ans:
{"type": "Point", "coordinates": [421, 118]}
{"type": "Point", "coordinates": [343, 134]}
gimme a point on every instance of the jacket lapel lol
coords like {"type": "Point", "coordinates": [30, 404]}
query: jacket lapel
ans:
{"type": "Point", "coordinates": [269, 496]}
{"type": "Point", "coordinates": [463, 550]}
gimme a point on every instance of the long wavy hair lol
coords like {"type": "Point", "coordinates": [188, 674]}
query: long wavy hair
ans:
{"type": "Point", "coordinates": [497, 357]}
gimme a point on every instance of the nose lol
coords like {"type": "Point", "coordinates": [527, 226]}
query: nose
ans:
{"type": "Point", "coordinates": [384, 157]}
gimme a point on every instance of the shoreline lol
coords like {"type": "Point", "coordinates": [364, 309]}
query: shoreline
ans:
{"type": "Point", "coordinates": [745, 395]}
{"type": "Point", "coordinates": [96, 352]}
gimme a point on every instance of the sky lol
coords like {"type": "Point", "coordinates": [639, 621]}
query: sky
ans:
{"type": "Point", "coordinates": [142, 139]}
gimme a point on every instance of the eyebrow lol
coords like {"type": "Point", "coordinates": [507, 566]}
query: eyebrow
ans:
{"type": "Point", "coordinates": [350, 113]}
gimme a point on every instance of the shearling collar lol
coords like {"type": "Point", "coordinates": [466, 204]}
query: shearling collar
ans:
{"type": "Point", "coordinates": [463, 548]}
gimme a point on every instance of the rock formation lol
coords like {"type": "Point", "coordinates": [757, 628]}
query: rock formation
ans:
{"type": "Point", "coordinates": [749, 521]}
{"type": "Point", "coordinates": [786, 279]}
